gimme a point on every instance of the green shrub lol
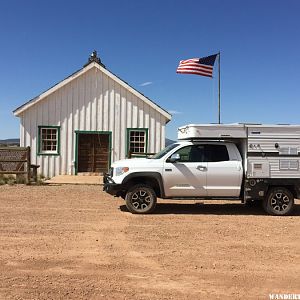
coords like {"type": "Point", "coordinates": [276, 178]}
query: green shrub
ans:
{"type": "Point", "coordinates": [7, 179]}
{"type": "Point", "coordinates": [40, 179]}
{"type": "Point", "coordinates": [20, 179]}
{"type": "Point", "coordinates": [11, 181]}
{"type": "Point", "coordinates": [41, 176]}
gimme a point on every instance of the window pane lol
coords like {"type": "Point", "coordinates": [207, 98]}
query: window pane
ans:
{"type": "Point", "coordinates": [191, 153]}
{"type": "Point", "coordinates": [49, 139]}
{"type": "Point", "coordinates": [215, 153]}
{"type": "Point", "coordinates": [137, 142]}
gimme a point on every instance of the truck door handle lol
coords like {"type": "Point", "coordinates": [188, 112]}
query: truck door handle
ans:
{"type": "Point", "coordinates": [201, 168]}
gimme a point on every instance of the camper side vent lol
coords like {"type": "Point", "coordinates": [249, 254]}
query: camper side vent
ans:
{"type": "Point", "coordinates": [257, 166]}
{"type": "Point", "coordinates": [289, 165]}
{"type": "Point", "coordinates": [288, 151]}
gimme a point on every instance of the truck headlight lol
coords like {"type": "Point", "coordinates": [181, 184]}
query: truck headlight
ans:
{"type": "Point", "coordinates": [121, 170]}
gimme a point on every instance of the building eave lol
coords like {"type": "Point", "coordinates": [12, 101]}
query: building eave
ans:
{"type": "Point", "coordinates": [51, 90]}
{"type": "Point", "coordinates": [18, 111]}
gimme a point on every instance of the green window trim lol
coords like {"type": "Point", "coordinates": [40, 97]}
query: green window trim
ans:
{"type": "Point", "coordinates": [39, 140]}
{"type": "Point", "coordinates": [146, 130]}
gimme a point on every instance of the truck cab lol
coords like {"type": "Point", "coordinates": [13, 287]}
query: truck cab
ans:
{"type": "Point", "coordinates": [203, 169]}
{"type": "Point", "coordinates": [183, 170]}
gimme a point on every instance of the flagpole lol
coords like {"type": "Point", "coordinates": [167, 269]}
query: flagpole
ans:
{"type": "Point", "coordinates": [219, 102]}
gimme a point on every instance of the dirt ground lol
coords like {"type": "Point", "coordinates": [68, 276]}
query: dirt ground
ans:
{"type": "Point", "coordinates": [76, 242]}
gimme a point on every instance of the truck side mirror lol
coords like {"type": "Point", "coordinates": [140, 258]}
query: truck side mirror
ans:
{"type": "Point", "coordinates": [174, 158]}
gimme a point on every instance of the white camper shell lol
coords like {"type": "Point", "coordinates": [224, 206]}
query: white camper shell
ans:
{"type": "Point", "coordinates": [268, 151]}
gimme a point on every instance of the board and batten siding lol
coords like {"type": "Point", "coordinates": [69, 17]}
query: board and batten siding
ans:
{"type": "Point", "coordinates": [91, 102]}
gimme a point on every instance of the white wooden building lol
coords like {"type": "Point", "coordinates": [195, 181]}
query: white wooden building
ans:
{"type": "Point", "coordinates": [89, 120]}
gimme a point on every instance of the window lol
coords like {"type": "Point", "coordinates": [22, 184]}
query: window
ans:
{"type": "Point", "coordinates": [193, 153]}
{"type": "Point", "coordinates": [137, 140]}
{"type": "Point", "coordinates": [203, 153]}
{"type": "Point", "coordinates": [215, 153]}
{"type": "Point", "coordinates": [49, 140]}
{"type": "Point", "coordinates": [164, 151]}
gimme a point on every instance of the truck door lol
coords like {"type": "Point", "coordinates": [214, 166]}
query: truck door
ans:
{"type": "Point", "coordinates": [186, 177]}
{"type": "Point", "coordinates": [224, 170]}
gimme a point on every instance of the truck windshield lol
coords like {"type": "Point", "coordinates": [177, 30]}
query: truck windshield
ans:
{"type": "Point", "coordinates": [164, 151]}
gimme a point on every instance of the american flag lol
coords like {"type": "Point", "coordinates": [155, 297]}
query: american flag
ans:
{"type": "Point", "coordinates": [199, 66]}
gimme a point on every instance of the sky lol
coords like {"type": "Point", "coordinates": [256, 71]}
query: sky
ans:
{"type": "Point", "coordinates": [142, 41]}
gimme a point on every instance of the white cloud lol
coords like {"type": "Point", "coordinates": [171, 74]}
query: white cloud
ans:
{"type": "Point", "coordinates": [146, 83]}
{"type": "Point", "coordinates": [175, 112]}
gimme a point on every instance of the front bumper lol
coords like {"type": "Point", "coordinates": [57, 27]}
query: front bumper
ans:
{"type": "Point", "coordinates": [112, 188]}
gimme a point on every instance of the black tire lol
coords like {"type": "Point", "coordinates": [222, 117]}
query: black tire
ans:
{"type": "Point", "coordinates": [279, 202]}
{"type": "Point", "coordinates": [141, 199]}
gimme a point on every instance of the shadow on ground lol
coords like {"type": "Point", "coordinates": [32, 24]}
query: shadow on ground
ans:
{"type": "Point", "coordinates": [210, 209]}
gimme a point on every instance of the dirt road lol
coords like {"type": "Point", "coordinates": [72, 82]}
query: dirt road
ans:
{"type": "Point", "coordinates": [75, 242]}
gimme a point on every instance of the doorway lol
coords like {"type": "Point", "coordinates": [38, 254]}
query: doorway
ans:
{"type": "Point", "coordinates": [93, 152]}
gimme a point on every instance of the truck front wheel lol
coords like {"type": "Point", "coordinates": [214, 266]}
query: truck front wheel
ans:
{"type": "Point", "coordinates": [279, 202]}
{"type": "Point", "coordinates": [141, 199]}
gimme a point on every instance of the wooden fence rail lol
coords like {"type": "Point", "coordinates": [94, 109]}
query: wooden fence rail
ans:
{"type": "Point", "coordinates": [16, 160]}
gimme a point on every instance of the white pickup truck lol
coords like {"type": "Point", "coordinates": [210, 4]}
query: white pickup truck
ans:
{"type": "Point", "coordinates": [233, 167]}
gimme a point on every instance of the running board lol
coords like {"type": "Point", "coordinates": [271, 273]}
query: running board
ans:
{"type": "Point", "coordinates": [205, 198]}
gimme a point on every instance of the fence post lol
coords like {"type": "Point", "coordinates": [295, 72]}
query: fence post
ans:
{"type": "Point", "coordinates": [28, 165]}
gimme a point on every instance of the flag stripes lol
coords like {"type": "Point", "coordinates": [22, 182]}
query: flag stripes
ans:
{"type": "Point", "coordinates": [198, 66]}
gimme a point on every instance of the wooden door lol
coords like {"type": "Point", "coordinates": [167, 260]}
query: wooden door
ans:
{"type": "Point", "coordinates": [93, 152]}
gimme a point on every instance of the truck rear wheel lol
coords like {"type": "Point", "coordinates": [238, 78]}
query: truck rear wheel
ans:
{"type": "Point", "coordinates": [279, 202]}
{"type": "Point", "coordinates": [141, 199]}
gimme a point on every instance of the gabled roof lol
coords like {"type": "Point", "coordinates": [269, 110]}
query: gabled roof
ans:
{"type": "Point", "coordinates": [78, 73]}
